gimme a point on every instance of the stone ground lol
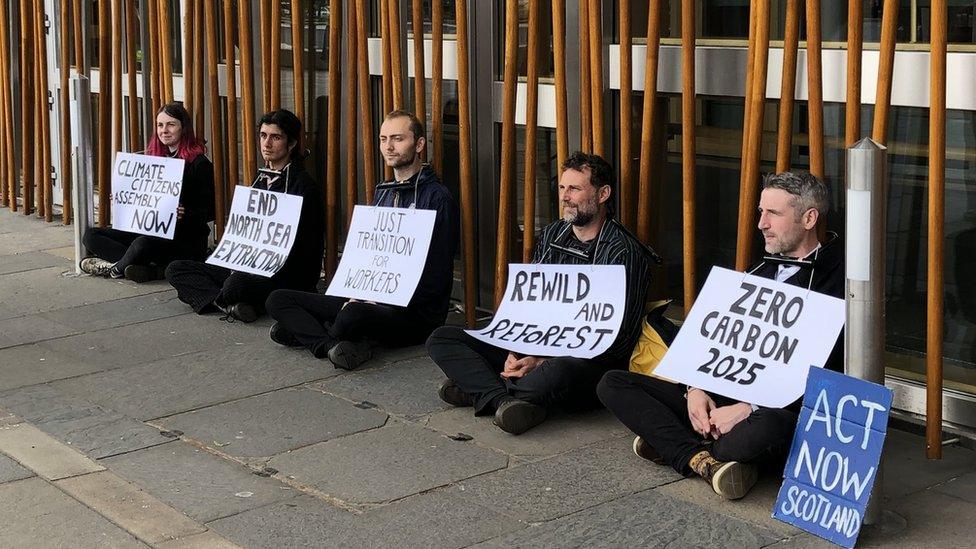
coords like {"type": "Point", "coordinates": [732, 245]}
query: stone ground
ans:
{"type": "Point", "coordinates": [127, 421]}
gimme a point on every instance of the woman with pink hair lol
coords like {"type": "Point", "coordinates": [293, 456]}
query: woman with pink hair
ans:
{"type": "Point", "coordinates": [140, 258]}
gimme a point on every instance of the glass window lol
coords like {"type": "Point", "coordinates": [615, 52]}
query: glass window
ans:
{"type": "Point", "coordinates": [450, 21]}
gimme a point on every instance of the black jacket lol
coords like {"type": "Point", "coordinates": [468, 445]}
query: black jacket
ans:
{"type": "Point", "coordinates": [425, 191]}
{"type": "Point", "coordinates": [197, 199]}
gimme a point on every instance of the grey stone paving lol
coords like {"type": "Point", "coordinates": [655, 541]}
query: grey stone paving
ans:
{"type": "Point", "coordinates": [121, 312]}
{"type": "Point", "coordinates": [30, 261]}
{"type": "Point", "coordinates": [407, 388]}
{"type": "Point", "coordinates": [10, 470]}
{"type": "Point", "coordinates": [25, 365]}
{"type": "Point", "coordinates": [31, 329]}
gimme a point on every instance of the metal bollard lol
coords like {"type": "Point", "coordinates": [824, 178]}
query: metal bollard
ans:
{"type": "Point", "coordinates": [81, 153]}
{"type": "Point", "coordinates": [864, 339]}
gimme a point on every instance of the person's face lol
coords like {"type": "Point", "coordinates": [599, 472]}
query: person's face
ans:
{"type": "Point", "coordinates": [580, 199]}
{"type": "Point", "coordinates": [398, 145]}
{"type": "Point", "coordinates": [274, 144]}
{"type": "Point", "coordinates": [168, 129]}
{"type": "Point", "coordinates": [783, 227]}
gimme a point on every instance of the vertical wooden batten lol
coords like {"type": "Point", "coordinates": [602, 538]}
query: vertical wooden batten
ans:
{"type": "Point", "coordinates": [688, 147]}
{"type": "Point", "coordinates": [627, 206]}
{"type": "Point", "coordinates": [247, 93]}
{"type": "Point", "coordinates": [886, 65]}
{"type": "Point", "coordinates": [645, 198]}
{"type": "Point", "coordinates": [855, 45]}
{"type": "Point", "coordinates": [104, 114]}
{"type": "Point", "coordinates": [419, 66]}
{"type": "Point", "coordinates": [466, 183]}
{"type": "Point", "coordinates": [531, 131]}
{"type": "Point", "coordinates": [215, 143]}
{"type": "Point", "coordinates": [815, 89]}
{"type": "Point", "coordinates": [365, 101]}
{"type": "Point", "coordinates": [559, 72]}
{"type": "Point", "coordinates": [596, 76]}
{"type": "Point", "coordinates": [506, 177]}
{"type": "Point", "coordinates": [332, 139]}
{"type": "Point", "coordinates": [231, 75]}
{"type": "Point", "coordinates": [787, 99]}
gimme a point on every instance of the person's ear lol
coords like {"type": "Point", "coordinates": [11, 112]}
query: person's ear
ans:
{"type": "Point", "coordinates": [810, 218]}
{"type": "Point", "coordinates": [421, 144]}
{"type": "Point", "coordinates": [603, 193]}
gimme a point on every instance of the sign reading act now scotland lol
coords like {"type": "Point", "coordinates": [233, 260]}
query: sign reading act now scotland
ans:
{"type": "Point", "coordinates": [385, 254]}
{"type": "Point", "coordinates": [834, 459]}
{"type": "Point", "coordinates": [753, 339]}
{"type": "Point", "coordinates": [558, 310]}
{"type": "Point", "coordinates": [260, 231]}
{"type": "Point", "coordinates": [146, 193]}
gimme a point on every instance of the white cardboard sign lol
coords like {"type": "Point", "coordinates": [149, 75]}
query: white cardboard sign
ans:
{"type": "Point", "coordinates": [145, 194]}
{"type": "Point", "coordinates": [558, 310]}
{"type": "Point", "coordinates": [385, 253]}
{"type": "Point", "coordinates": [260, 231]}
{"type": "Point", "coordinates": [753, 339]}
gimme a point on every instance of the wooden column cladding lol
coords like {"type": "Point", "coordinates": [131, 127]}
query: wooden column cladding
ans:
{"type": "Point", "coordinates": [6, 114]}
{"type": "Point", "coordinates": [396, 53]}
{"type": "Point", "coordinates": [79, 47]}
{"type": "Point", "coordinates": [465, 169]}
{"type": "Point", "coordinates": [787, 98]}
{"type": "Point", "coordinates": [131, 17]}
{"type": "Point", "coordinates": [559, 70]}
{"type": "Point", "coordinates": [752, 146]}
{"type": "Point", "coordinates": [118, 133]}
{"type": "Point", "coordinates": [165, 52]}
{"type": "Point", "coordinates": [215, 142]}
{"type": "Point", "coordinates": [596, 76]}
{"type": "Point", "coordinates": [365, 105]}
{"type": "Point", "coordinates": [104, 114]}
{"type": "Point", "coordinates": [153, 65]}
{"type": "Point", "coordinates": [688, 147]}
{"type": "Point", "coordinates": [855, 45]}
{"type": "Point", "coordinates": [352, 82]}
{"type": "Point", "coordinates": [46, 200]}
{"type": "Point", "coordinates": [64, 64]}
{"type": "Point", "coordinates": [298, 64]}
{"type": "Point", "coordinates": [646, 192]}
{"type": "Point", "coordinates": [188, 60]}
{"type": "Point", "coordinates": [199, 64]}
{"type": "Point", "coordinates": [936, 233]}
{"type": "Point", "coordinates": [419, 67]}
{"type": "Point", "coordinates": [437, 85]}
{"type": "Point", "coordinates": [332, 139]}
{"type": "Point", "coordinates": [627, 206]}
{"type": "Point", "coordinates": [27, 141]}
{"type": "Point", "coordinates": [586, 107]}
{"type": "Point", "coordinates": [231, 123]}
{"type": "Point", "coordinates": [506, 177]}
{"type": "Point", "coordinates": [815, 89]}
{"type": "Point", "coordinates": [264, 13]}
{"type": "Point", "coordinates": [274, 46]}
{"type": "Point", "coordinates": [886, 64]}
{"type": "Point", "coordinates": [387, 66]}
{"type": "Point", "coordinates": [247, 93]}
{"type": "Point", "coordinates": [531, 131]}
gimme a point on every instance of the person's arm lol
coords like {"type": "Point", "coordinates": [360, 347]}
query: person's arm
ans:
{"type": "Point", "coordinates": [516, 367]}
{"type": "Point", "coordinates": [197, 196]}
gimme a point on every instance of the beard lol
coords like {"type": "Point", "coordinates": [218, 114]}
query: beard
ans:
{"type": "Point", "coordinates": [403, 161]}
{"type": "Point", "coordinates": [584, 213]}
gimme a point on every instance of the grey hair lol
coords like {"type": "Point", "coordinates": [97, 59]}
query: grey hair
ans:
{"type": "Point", "coordinates": [807, 189]}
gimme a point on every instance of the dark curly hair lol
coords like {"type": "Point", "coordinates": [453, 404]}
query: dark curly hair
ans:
{"type": "Point", "coordinates": [291, 125]}
{"type": "Point", "coordinates": [601, 172]}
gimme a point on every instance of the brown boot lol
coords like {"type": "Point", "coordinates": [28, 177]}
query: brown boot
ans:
{"type": "Point", "coordinates": [729, 479]}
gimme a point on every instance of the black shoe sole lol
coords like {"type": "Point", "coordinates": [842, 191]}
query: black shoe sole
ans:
{"type": "Point", "coordinates": [517, 417]}
{"type": "Point", "coordinates": [346, 355]}
{"type": "Point", "coordinates": [450, 393]}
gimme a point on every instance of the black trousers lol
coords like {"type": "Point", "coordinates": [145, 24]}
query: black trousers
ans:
{"type": "Point", "coordinates": [124, 249]}
{"type": "Point", "coordinates": [200, 285]}
{"type": "Point", "coordinates": [475, 366]}
{"type": "Point", "coordinates": [320, 321]}
{"type": "Point", "coordinates": [657, 411]}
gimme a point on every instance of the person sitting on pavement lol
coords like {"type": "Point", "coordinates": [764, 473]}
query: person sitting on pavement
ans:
{"type": "Point", "coordinates": [141, 258]}
{"type": "Point", "coordinates": [715, 437]}
{"type": "Point", "coordinates": [211, 288]}
{"type": "Point", "coordinates": [520, 390]}
{"type": "Point", "coordinates": [346, 330]}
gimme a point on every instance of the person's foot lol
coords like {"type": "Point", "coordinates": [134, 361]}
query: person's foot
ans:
{"type": "Point", "coordinates": [140, 273]}
{"type": "Point", "coordinates": [281, 336]}
{"type": "Point", "coordinates": [453, 395]}
{"type": "Point", "coordinates": [244, 312]}
{"type": "Point", "coordinates": [349, 355]}
{"type": "Point", "coordinates": [644, 450]}
{"type": "Point", "coordinates": [96, 266]}
{"type": "Point", "coordinates": [729, 479]}
{"type": "Point", "coordinates": [518, 416]}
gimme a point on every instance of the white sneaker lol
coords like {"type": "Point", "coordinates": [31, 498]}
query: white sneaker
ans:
{"type": "Point", "coordinates": [96, 266]}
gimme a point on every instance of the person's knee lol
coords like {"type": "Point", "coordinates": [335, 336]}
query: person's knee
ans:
{"type": "Point", "coordinates": [175, 269]}
{"type": "Point", "coordinates": [608, 386]}
{"type": "Point", "coordinates": [277, 300]}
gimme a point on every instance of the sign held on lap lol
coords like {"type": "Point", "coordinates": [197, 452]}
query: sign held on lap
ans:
{"type": "Point", "coordinates": [558, 310]}
{"type": "Point", "coordinates": [753, 339]}
{"type": "Point", "coordinates": [834, 459]}
{"type": "Point", "coordinates": [145, 194]}
{"type": "Point", "coordinates": [386, 250]}
{"type": "Point", "coordinates": [260, 231]}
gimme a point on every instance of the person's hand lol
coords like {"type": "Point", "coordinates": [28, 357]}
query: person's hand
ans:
{"type": "Point", "coordinates": [518, 367]}
{"type": "Point", "coordinates": [180, 211]}
{"type": "Point", "coordinates": [348, 302]}
{"type": "Point", "coordinates": [725, 418]}
{"type": "Point", "coordinates": [700, 406]}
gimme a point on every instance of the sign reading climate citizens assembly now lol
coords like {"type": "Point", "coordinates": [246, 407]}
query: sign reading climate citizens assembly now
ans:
{"type": "Point", "coordinates": [558, 310]}
{"type": "Point", "coordinates": [753, 339]}
{"type": "Point", "coordinates": [260, 231]}
{"type": "Point", "coordinates": [385, 253]}
{"type": "Point", "coordinates": [145, 194]}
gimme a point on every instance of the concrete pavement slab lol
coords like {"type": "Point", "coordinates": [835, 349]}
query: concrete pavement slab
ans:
{"type": "Point", "coordinates": [272, 423]}
{"type": "Point", "coordinates": [963, 487]}
{"type": "Point", "coordinates": [36, 363]}
{"type": "Point", "coordinates": [29, 261]}
{"type": "Point", "coordinates": [18, 236]}
{"type": "Point", "coordinates": [906, 469]}
{"type": "Point", "coordinates": [206, 540]}
{"type": "Point", "coordinates": [43, 454]}
{"type": "Point", "coordinates": [31, 329]}
{"type": "Point", "coordinates": [43, 290]}
{"type": "Point", "coordinates": [550, 488]}
{"type": "Point", "coordinates": [405, 388]}
{"type": "Point", "coordinates": [385, 464]}
{"type": "Point", "coordinates": [121, 312]}
{"type": "Point", "coordinates": [35, 514]}
{"type": "Point", "coordinates": [10, 470]}
{"type": "Point", "coordinates": [202, 485]}
{"type": "Point", "coordinates": [646, 519]}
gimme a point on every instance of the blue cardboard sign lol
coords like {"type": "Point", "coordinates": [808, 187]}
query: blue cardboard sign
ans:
{"type": "Point", "coordinates": [834, 459]}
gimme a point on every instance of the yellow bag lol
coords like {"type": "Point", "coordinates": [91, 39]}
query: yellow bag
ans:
{"type": "Point", "coordinates": [656, 336]}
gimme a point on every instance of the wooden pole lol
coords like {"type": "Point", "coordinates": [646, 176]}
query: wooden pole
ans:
{"type": "Point", "coordinates": [265, 14]}
{"type": "Point", "coordinates": [166, 51]}
{"type": "Point", "coordinates": [199, 64]}
{"type": "Point", "coordinates": [559, 69]}
{"type": "Point", "coordinates": [648, 123]}
{"type": "Point", "coordinates": [332, 139]}
{"type": "Point", "coordinates": [465, 169]}
{"type": "Point", "coordinates": [247, 92]}
{"type": "Point", "coordinates": [118, 134]}
{"type": "Point", "coordinates": [419, 66]}
{"type": "Point", "coordinates": [627, 206]}
{"type": "Point", "coordinates": [586, 107]}
{"type": "Point", "coordinates": [231, 64]}
{"type": "Point", "coordinates": [216, 140]}
{"type": "Point", "coordinates": [855, 44]}
{"type": "Point", "coordinates": [153, 65]}
{"type": "Point", "coordinates": [396, 55]}
{"type": "Point", "coordinates": [936, 233]}
{"type": "Point", "coordinates": [352, 81]}
{"type": "Point", "coordinates": [27, 144]}
{"type": "Point", "coordinates": [385, 47]}
{"type": "Point", "coordinates": [64, 97]}
{"type": "Point", "coordinates": [44, 177]}
{"type": "Point", "coordinates": [6, 61]}
{"type": "Point", "coordinates": [506, 183]}
{"type": "Point", "coordinates": [104, 116]}
{"type": "Point", "coordinates": [365, 98]}
{"type": "Point", "coordinates": [815, 89]}
{"type": "Point", "coordinates": [531, 130]}
{"type": "Point", "coordinates": [437, 84]}
{"type": "Point", "coordinates": [188, 59]}
{"type": "Point", "coordinates": [688, 147]}
{"type": "Point", "coordinates": [297, 60]}
{"type": "Point", "coordinates": [596, 76]}
{"type": "Point", "coordinates": [79, 47]}
{"type": "Point", "coordinates": [787, 99]}
{"type": "Point", "coordinates": [135, 141]}
{"type": "Point", "coordinates": [275, 46]}
{"type": "Point", "coordinates": [886, 65]}
{"type": "Point", "coordinates": [743, 250]}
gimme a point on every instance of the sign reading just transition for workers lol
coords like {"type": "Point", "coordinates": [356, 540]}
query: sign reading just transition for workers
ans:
{"type": "Point", "coordinates": [146, 193]}
{"type": "Point", "coordinates": [835, 455]}
{"type": "Point", "coordinates": [260, 231]}
{"type": "Point", "coordinates": [558, 310]}
{"type": "Point", "coordinates": [753, 339]}
{"type": "Point", "coordinates": [385, 253]}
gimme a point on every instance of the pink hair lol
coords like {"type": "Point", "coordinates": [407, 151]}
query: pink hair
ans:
{"type": "Point", "coordinates": [189, 146]}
